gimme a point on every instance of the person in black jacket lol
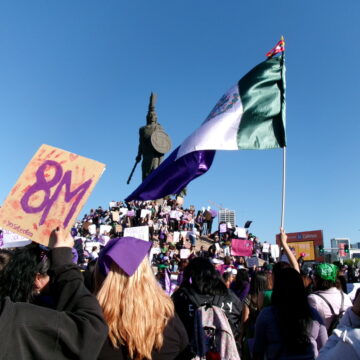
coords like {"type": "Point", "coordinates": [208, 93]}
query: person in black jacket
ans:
{"type": "Point", "coordinates": [75, 330]}
{"type": "Point", "coordinates": [205, 284]}
{"type": "Point", "coordinates": [26, 274]}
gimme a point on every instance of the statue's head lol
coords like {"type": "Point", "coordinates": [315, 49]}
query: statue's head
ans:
{"type": "Point", "coordinates": [151, 117]}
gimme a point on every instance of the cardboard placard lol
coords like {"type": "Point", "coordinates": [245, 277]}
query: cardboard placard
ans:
{"type": "Point", "coordinates": [123, 211]}
{"type": "Point", "coordinates": [176, 237]}
{"type": "Point", "coordinates": [222, 228]}
{"type": "Point", "coordinates": [115, 216]}
{"type": "Point", "coordinates": [139, 232]}
{"type": "Point", "coordinates": [241, 247]}
{"type": "Point", "coordinates": [265, 247]}
{"type": "Point", "coordinates": [173, 214]}
{"type": "Point", "coordinates": [90, 244]}
{"type": "Point", "coordinates": [184, 253]}
{"type": "Point", "coordinates": [241, 233]}
{"type": "Point", "coordinates": [275, 251]}
{"type": "Point", "coordinates": [50, 193]}
{"type": "Point", "coordinates": [144, 213]}
{"type": "Point", "coordinates": [131, 213]}
{"type": "Point", "coordinates": [105, 228]}
{"type": "Point", "coordinates": [92, 229]}
{"type": "Point", "coordinates": [253, 261]}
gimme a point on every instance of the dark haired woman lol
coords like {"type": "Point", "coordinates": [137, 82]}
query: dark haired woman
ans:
{"type": "Point", "coordinates": [241, 285]}
{"type": "Point", "coordinates": [289, 327]}
{"type": "Point", "coordinates": [204, 283]}
{"type": "Point", "coordinates": [76, 331]}
{"type": "Point", "coordinates": [250, 311]}
{"type": "Point", "coordinates": [326, 292]}
{"type": "Point", "coordinates": [5, 257]}
{"type": "Point", "coordinates": [26, 274]}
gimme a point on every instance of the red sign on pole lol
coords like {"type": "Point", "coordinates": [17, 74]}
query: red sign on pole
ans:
{"type": "Point", "coordinates": [341, 250]}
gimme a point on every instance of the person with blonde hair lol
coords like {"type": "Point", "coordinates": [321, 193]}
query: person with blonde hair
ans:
{"type": "Point", "coordinates": [140, 315]}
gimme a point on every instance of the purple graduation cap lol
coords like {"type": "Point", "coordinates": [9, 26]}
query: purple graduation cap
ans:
{"type": "Point", "coordinates": [126, 252]}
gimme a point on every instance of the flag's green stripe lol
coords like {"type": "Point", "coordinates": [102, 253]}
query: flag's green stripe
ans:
{"type": "Point", "coordinates": [262, 92]}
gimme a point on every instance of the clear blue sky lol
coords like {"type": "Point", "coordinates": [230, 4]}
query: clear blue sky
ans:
{"type": "Point", "coordinates": [78, 74]}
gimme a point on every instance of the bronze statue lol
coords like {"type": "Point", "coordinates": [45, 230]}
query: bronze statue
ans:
{"type": "Point", "coordinates": [153, 142]}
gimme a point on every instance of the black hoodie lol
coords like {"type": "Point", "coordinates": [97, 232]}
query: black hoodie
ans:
{"type": "Point", "coordinates": [76, 330]}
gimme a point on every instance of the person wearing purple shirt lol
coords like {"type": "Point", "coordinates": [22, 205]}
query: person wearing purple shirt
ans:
{"type": "Point", "coordinates": [241, 285]}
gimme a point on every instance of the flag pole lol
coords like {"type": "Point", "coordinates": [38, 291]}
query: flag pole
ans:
{"type": "Point", "coordinates": [283, 188]}
{"type": "Point", "coordinates": [284, 148]}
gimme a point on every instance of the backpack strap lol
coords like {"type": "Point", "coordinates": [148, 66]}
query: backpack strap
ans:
{"type": "Point", "coordinates": [342, 303]}
{"type": "Point", "coordinates": [328, 304]}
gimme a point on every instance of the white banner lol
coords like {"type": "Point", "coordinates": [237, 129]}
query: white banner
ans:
{"type": "Point", "coordinates": [105, 228]}
{"type": "Point", "coordinates": [184, 253]}
{"type": "Point", "coordinates": [176, 237]}
{"type": "Point", "coordinates": [144, 213]}
{"type": "Point", "coordinates": [90, 244]}
{"type": "Point", "coordinates": [9, 240]}
{"type": "Point", "coordinates": [275, 251]}
{"type": "Point", "coordinates": [265, 247]}
{"type": "Point", "coordinates": [115, 216]}
{"type": "Point", "coordinates": [123, 211]}
{"type": "Point", "coordinates": [139, 232]}
{"type": "Point", "coordinates": [92, 229]}
{"type": "Point", "coordinates": [241, 233]}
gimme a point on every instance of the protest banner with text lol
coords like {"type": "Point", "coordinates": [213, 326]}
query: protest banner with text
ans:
{"type": "Point", "coordinates": [50, 193]}
{"type": "Point", "coordinates": [241, 247]}
{"type": "Point", "coordinates": [139, 232]}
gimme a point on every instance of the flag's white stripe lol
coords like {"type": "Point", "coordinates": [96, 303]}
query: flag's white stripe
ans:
{"type": "Point", "coordinates": [217, 133]}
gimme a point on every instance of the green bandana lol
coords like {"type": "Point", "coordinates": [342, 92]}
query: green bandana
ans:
{"type": "Point", "coordinates": [327, 271]}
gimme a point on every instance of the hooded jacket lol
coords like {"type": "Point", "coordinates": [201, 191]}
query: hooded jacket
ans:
{"type": "Point", "coordinates": [185, 308]}
{"type": "Point", "coordinates": [76, 331]}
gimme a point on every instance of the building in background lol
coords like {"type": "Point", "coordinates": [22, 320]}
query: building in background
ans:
{"type": "Point", "coordinates": [338, 248]}
{"type": "Point", "coordinates": [228, 216]}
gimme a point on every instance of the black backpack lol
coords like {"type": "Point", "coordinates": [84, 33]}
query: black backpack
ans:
{"type": "Point", "coordinates": [335, 319]}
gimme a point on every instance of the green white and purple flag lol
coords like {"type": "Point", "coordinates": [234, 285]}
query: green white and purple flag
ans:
{"type": "Point", "coordinates": [250, 116]}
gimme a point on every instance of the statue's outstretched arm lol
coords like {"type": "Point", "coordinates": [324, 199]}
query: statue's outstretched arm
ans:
{"type": "Point", "coordinates": [139, 154]}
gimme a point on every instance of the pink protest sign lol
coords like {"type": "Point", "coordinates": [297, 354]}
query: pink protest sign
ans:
{"type": "Point", "coordinates": [49, 193]}
{"type": "Point", "coordinates": [241, 247]}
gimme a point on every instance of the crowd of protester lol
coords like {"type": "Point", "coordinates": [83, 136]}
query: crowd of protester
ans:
{"type": "Point", "coordinates": [190, 301]}
{"type": "Point", "coordinates": [169, 225]}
